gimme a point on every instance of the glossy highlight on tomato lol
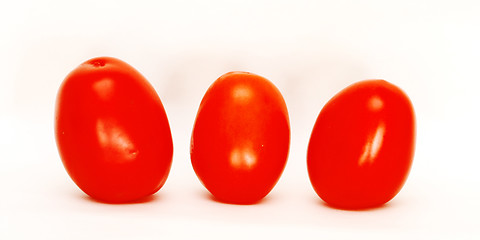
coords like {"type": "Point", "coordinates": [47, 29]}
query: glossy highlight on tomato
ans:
{"type": "Point", "coordinates": [241, 137]}
{"type": "Point", "coordinates": [362, 145]}
{"type": "Point", "coordinates": [112, 131]}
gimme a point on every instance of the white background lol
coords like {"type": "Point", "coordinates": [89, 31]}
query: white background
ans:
{"type": "Point", "coordinates": [309, 49]}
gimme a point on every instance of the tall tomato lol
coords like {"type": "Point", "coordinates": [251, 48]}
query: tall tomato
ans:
{"type": "Point", "coordinates": [112, 131]}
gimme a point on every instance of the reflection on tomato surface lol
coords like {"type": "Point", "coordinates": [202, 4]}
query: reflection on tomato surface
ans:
{"type": "Point", "coordinates": [241, 137]}
{"type": "Point", "coordinates": [112, 131]}
{"type": "Point", "coordinates": [362, 145]}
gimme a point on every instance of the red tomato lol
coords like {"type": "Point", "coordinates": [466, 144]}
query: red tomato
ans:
{"type": "Point", "coordinates": [362, 145]}
{"type": "Point", "coordinates": [112, 131]}
{"type": "Point", "coordinates": [241, 137]}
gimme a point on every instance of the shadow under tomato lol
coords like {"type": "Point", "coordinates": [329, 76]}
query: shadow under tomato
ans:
{"type": "Point", "coordinates": [209, 196]}
{"type": "Point", "coordinates": [147, 199]}
{"type": "Point", "coordinates": [367, 209]}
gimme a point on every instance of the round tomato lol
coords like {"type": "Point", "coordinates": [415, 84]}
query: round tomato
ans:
{"type": "Point", "coordinates": [112, 131]}
{"type": "Point", "coordinates": [241, 137]}
{"type": "Point", "coordinates": [362, 145]}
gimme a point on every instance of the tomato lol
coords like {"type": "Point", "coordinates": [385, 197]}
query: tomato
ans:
{"type": "Point", "coordinates": [240, 138]}
{"type": "Point", "coordinates": [112, 131]}
{"type": "Point", "coordinates": [362, 145]}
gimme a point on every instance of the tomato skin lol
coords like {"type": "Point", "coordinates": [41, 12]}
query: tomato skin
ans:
{"type": "Point", "coordinates": [362, 145]}
{"type": "Point", "coordinates": [112, 131]}
{"type": "Point", "coordinates": [241, 137]}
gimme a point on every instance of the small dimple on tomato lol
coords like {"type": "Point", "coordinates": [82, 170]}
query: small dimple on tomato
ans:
{"type": "Point", "coordinates": [362, 145]}
{"type": "Point", "coordinates": [240, 138]}
{"type": "Point", "coordinates": [112, 131]}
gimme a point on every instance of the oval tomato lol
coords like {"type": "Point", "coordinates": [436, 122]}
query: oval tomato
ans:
{"type": "Point", "coordinates": [362, 145]}
{"type": "Point", "coordinates": [241, 137]}
{"type": "Point", "coordinates": [112, 131]}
